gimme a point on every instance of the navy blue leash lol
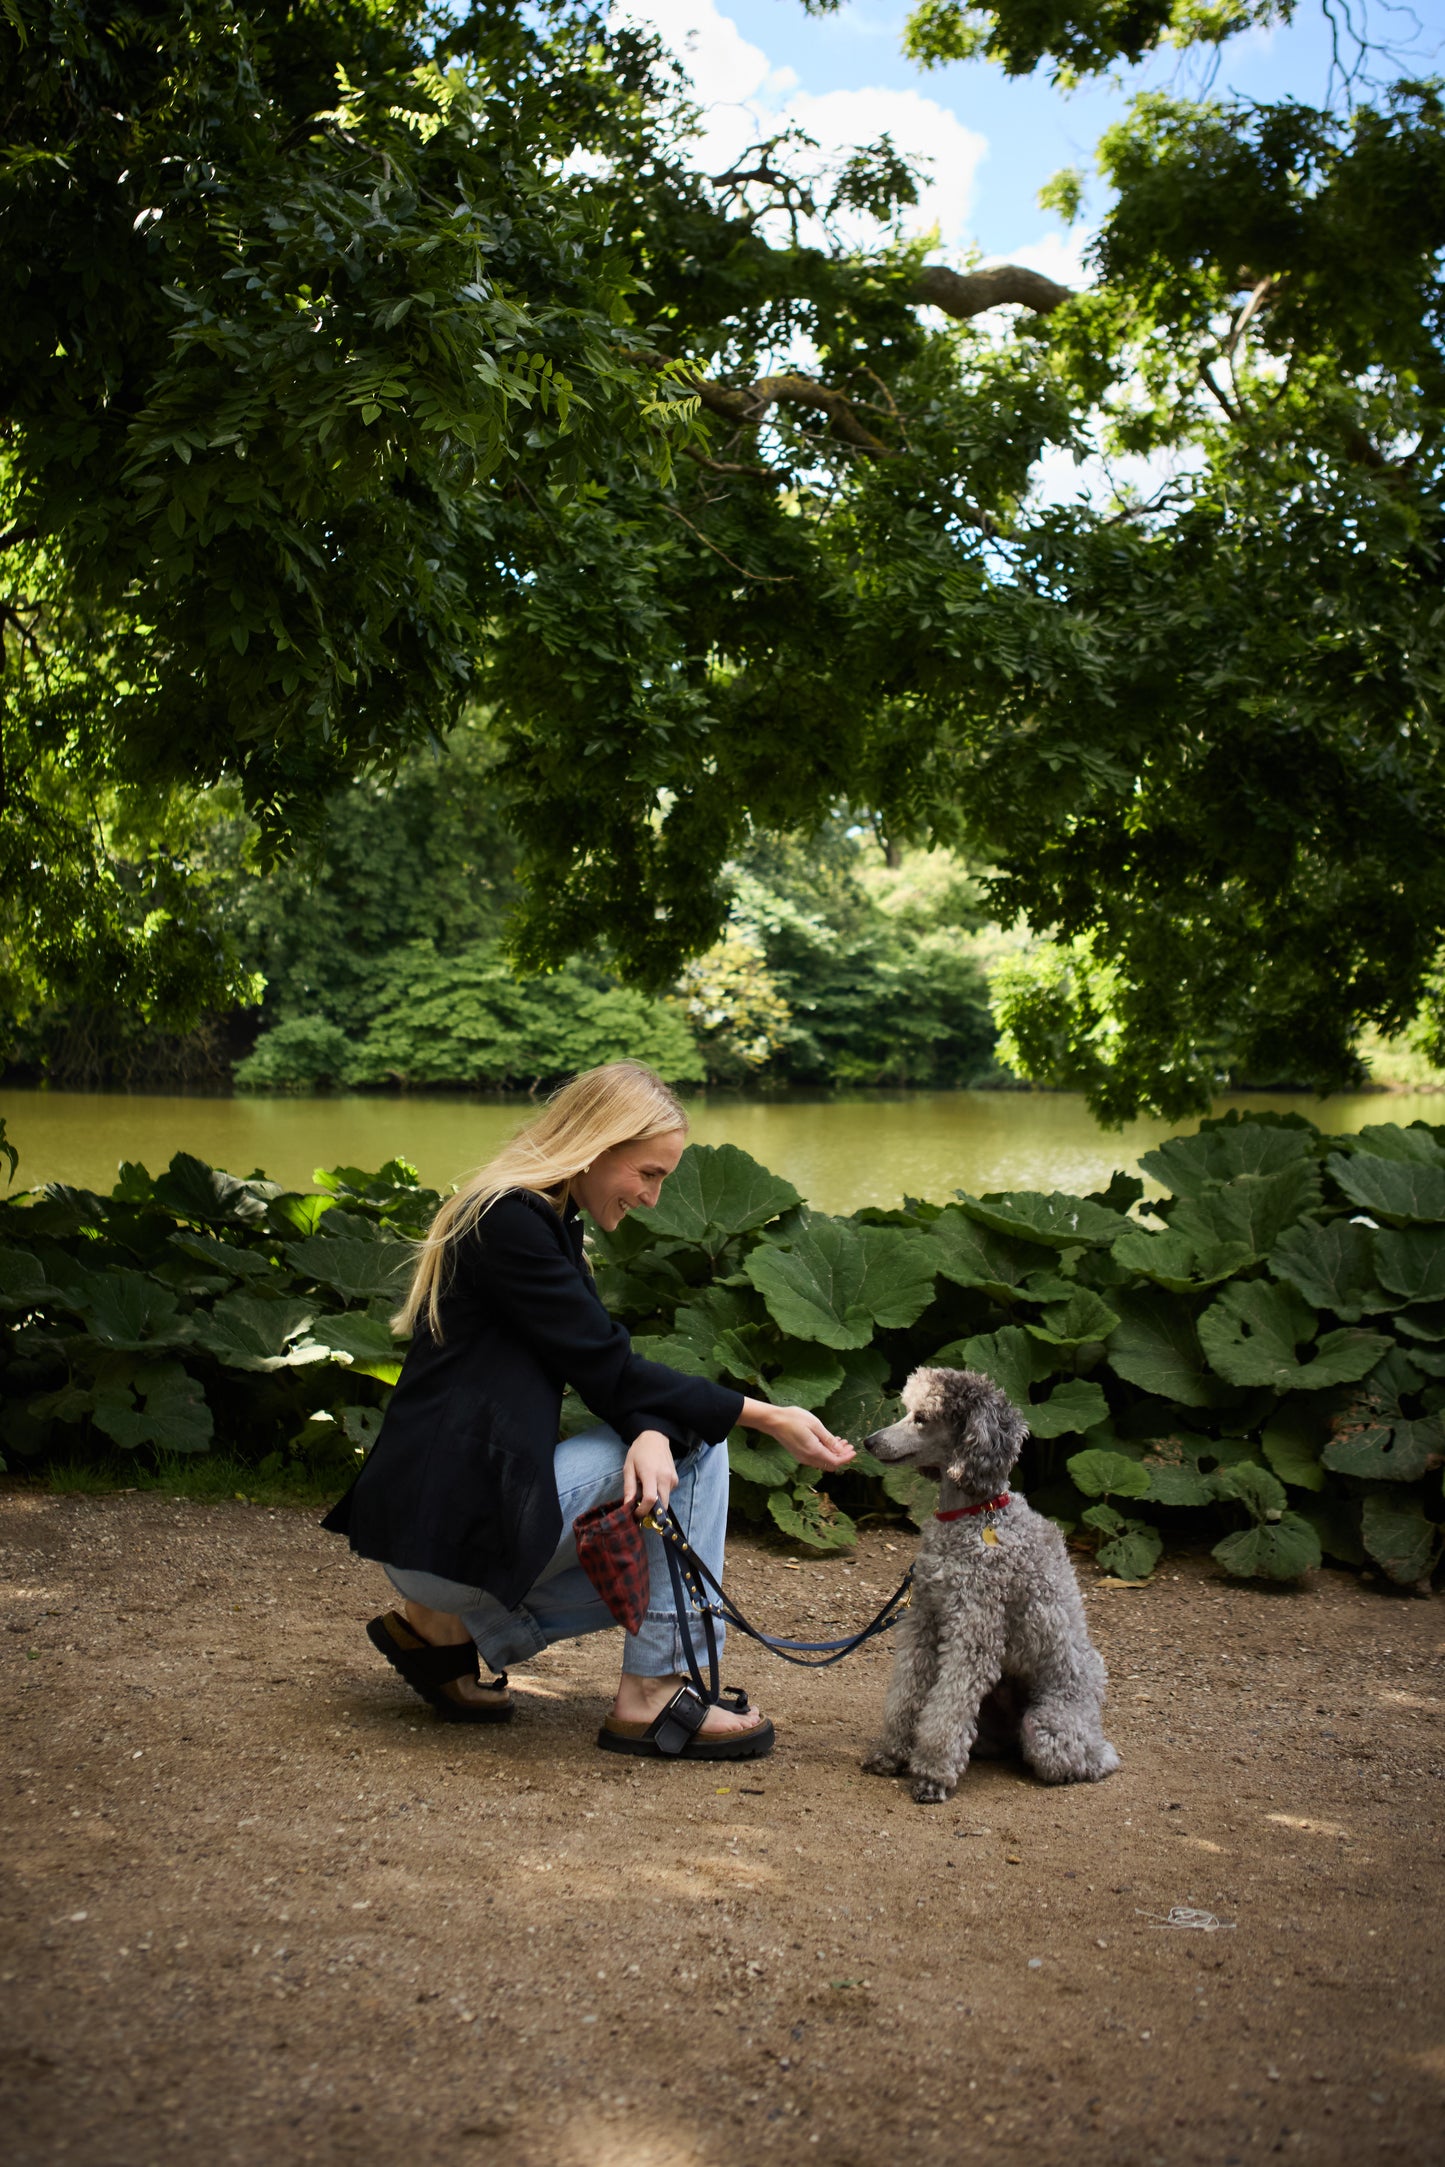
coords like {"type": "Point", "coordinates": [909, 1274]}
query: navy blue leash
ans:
{"type": "Point", "coordinates": [691, 1580]}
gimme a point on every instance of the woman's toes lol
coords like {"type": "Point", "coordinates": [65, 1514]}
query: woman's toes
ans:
{"type": "Point", "coordinates": [727, 1719]}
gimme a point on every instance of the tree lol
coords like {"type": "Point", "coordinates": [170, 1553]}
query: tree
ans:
{"type": "Point", "coordinates": [1196, 732]}
{"type": "Point", "coordinates": [290, 283]}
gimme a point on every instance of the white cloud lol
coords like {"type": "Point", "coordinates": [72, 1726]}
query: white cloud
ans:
{"type": "Point", "coordinates": [840, 120]}
{"type": "Point", "coordinates": [1057, 255]}
{"type": "Point", "coordinates": [744, 99]}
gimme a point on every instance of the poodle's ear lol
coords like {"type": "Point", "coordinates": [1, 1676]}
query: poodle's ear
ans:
{"type": "Point", "coordinates": [989, 1440]}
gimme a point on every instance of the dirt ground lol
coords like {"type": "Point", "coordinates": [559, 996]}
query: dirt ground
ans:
{"type": "Point", "coordinates": [261, 1907]}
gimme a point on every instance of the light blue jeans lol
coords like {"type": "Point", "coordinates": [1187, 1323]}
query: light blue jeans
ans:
{"type": "Point", "coordinates": [562, 1603]}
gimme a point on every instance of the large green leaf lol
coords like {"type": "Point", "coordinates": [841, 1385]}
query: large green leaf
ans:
{"type": "Point", "coordinates": [810, 1517]}
{"type": "Point", "coordinates": [1332, 1266]}
{"type": "Point", "coordinates": [1399, 1537]}
{"type": "Point", "coordinates": [862, 1402]}
{"type": "Point", "coordinates": [23, 1284]}
{"type": "Point", "coordinates": [1374, 1436]}
{"type": "Point", "coordinates": [1402, 1192]}
{"type": "Point", "coordinates": [1181, 1465]}
{"type": "Point", "coordinates": [1252, 1212]}
{"type": "Point", "coordinates": [365, 1339]}
{"type": "Point", "coordinates": [1084, 1320]}
{"type": "Point", "coordinates": [1155, 1345]}
{"type": "Point", "coordinates": [228, 1257]}
{"type": "Point", "coordinates": [357, 1270]}
{"type": "Point", "coordinates": [1108, 1474]}
{"type": "Point", "coordinates": [740, 1354]}
{"type": "Point", "coordinates": [1017, 1363]}
{"type": "Point", "coordinates": [1178, 1261]}
{"type": "Point", "coordinates": [1071, 1408]}
{"type": "Point", "coordinates": [1387, 1140]}
{"type": "Point", "coordinates": [715, 1192]}
{"type": "Point", "coordinates": [810, 1375]}
{"type": "Point", "coordinates": [1177, 1482]}
{"type": "Point", "coordinates": [1280, 1549]}
{"type": "Point", "coordinates": [760, 1460]}
{"type": "Point", "coordinates": [1294, 1439]}
{"type": "Point", "coordinates": [677, 1352]}
{"type": "Point", "coordinates": [130, 1312]}
{"type": "Point", "coordinates": [838, 1284]}
{"type": "Point", "coordinates": [1411, 1262]}
{"type": "Point", "coordinates": [172, 1414]}
{"type": "Point", "coordinates": [1251, 1334]}
{"type": "Point", "coordinates": [1222, 1151]}
{"type": "Point", "coordinates": [1130, 1548]}
{"type": "Point", "coordinates": [297, 1214]}
{"type": "Point", "coordinates": [973, 1255]}
{"type": "Point", "coordinates": [1247, 1483]}
{"type": "Point", "coordinates": [249, 1332]}
{"type": "Point", "coordinates": [192, 1190]}
{"type": "Point", "coordinates": [1055, 1221]}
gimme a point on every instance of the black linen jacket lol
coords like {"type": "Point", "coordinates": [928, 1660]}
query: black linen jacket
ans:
{"type": "Point", "coordinates": [460, 1480]}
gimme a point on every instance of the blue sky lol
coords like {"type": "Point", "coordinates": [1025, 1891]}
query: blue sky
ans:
{"type": "Point", "coordinates": [994, 141]}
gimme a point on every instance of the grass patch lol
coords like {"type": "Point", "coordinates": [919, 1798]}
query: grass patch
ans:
{"type": "Point", "coordinates": [207, 1478]}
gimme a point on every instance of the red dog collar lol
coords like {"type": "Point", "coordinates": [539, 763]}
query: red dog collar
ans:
{"type": "Point", "coordinates": [969, 1512]}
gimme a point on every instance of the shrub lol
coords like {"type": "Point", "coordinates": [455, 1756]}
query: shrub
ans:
{"type": "Point", "coordinates": [307, 1054]}
{"type": "Point", "coordinates": [1267, 1357]}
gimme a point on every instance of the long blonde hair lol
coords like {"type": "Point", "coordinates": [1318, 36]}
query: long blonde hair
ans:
{"type": "Point", "coordinates": [620, 1103]}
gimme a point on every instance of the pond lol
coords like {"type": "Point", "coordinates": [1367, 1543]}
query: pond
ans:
{"type": "Point", "coordinates": [841, 1152]}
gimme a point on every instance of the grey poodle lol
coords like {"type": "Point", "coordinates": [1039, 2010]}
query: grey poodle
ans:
{"type": "Point", "coordinates": [994, 1649]}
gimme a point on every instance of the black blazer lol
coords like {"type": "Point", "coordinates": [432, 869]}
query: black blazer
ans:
{"type": "Point", "coordinates": [460, 1480]}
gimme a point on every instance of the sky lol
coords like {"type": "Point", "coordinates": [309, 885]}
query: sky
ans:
{"type": "Point", "coordinates": [993, 141]}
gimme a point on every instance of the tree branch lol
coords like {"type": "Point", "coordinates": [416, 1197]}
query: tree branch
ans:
{"type": "Point", "coordinates": [969, 293]}
{"type": "Point", "coordinates": [749, 406]}
{"type": "Point", "coordinates": [763, 579]}
{"type": "Point", "coordinates": [960, 294]}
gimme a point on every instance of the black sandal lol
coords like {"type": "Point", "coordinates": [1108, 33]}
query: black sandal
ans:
{"type": "Point", "coordinates": [428, 1669]}
{"type": "Point", "coordinates": [675, 1734]}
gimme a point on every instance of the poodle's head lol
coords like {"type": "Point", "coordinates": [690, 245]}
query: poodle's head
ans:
{"type": "Point", "coordinates": [957, 1424]}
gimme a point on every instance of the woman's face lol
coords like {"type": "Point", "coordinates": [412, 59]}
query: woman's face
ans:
{"type": "Point", "coordinates": [628, 1175]}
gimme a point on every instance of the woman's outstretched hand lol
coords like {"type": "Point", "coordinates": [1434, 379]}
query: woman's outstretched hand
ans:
{"type": "Point", "coordinates": [799, 1432]}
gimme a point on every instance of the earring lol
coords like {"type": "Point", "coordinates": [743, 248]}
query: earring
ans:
{"type": "Point", "coordinates": [586, 1169]}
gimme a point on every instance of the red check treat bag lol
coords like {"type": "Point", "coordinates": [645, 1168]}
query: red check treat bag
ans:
{"type": "Point", "coordinates": [611, 1552]}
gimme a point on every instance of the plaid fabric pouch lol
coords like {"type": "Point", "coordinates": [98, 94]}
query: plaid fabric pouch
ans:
{"type": "Point", "coordinates": [611, 1552]}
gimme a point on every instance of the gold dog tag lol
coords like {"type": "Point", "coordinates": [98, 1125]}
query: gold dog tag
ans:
{"type": "Point", "coordinates": [990, 1534]}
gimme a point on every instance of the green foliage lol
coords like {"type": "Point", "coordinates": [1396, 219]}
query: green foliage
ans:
{"type": "Point", "coordinates": [370, 333]}
{"type": "Point", "coordinates": [201, 1312]}
{"type": "Point", "coordinates": [293, 286]}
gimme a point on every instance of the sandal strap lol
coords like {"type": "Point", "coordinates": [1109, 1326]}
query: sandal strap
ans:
{"type": "Point", "coordinates": [679, 1721]}
{"type": "Point", "coordinates": [423, 1664]}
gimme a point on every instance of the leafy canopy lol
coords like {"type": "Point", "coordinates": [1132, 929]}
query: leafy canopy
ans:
{"type": "Point", "coordinates": [363, 362]}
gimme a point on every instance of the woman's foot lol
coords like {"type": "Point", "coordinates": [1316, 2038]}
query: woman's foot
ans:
{"type": "Point", "coordinates": [640, 1699]}
{"type": "Point", "coordinates": [443, 1629]}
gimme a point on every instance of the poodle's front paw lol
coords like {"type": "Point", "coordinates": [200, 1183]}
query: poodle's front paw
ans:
{"type": "Point", "coordinates": [930, 1791]}
{"type": "Point", "coordinates": [881, 1762]}
{"type": "Point", "coordinates": [1056, 1759]}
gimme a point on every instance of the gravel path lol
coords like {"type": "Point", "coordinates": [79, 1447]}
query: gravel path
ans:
{"type": "Point", "coordinates": [260, 1908]}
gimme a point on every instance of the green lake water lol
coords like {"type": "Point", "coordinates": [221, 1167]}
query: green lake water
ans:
{"type": "Point", "coordinates": [840, 1152]}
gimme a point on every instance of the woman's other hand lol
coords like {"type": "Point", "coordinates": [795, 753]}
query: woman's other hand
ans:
{"type": "Point", "coordinates": [649, 1473]}
{"type": "Point", "coordinates": [799, 1432]}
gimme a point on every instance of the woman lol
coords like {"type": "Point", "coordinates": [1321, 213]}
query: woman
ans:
{"type": "Point", "coordinates": [468, 1499]}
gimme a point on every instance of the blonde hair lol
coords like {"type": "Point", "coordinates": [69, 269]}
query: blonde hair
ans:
{"type": "Point", "coordinates": [619, 1103]}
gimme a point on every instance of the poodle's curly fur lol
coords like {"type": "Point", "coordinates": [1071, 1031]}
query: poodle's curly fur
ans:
{"type": "Point", "coordinates": [994, 1649]}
